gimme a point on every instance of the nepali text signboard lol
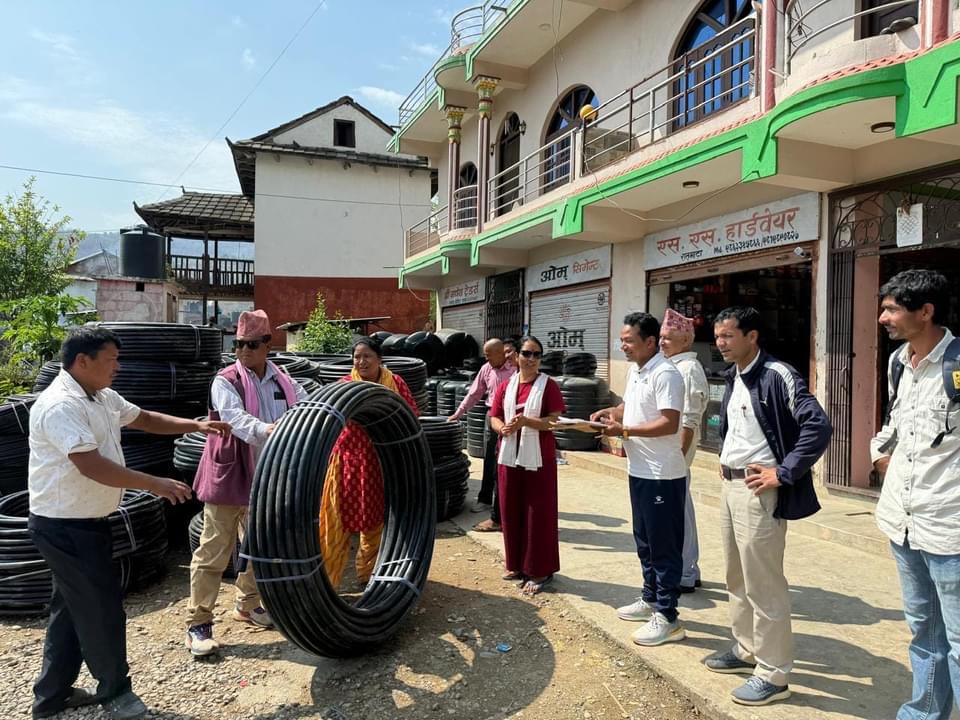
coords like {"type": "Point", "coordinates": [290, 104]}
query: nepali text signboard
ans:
{"type": "Point", "coordinates": [593, 264]}
{"type": "Point", "coordinates": [468, 292]}
{"type": "Point", "coordinates": [782, 222]}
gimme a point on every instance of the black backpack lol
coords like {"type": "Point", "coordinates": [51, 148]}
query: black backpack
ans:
{"type": "Point", "coordinates": [950, 367]}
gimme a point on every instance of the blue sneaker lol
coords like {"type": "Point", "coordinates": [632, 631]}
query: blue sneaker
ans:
{"type": "Point", "coordinates": [200, 640]}
{"type": "Point", "coordinates": [757, 691]}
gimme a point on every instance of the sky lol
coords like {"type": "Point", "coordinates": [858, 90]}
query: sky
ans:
{"type": "Point", "coordinates": [134, 90]}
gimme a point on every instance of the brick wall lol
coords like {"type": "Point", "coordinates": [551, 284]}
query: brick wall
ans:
{"type": "Point", "coordinates": [132, 300]}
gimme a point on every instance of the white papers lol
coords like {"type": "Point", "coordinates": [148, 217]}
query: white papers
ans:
{"type": "Point", "coordinates": [578, 421]}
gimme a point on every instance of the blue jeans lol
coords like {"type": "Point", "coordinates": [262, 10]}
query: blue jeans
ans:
{"type": "Point", "coordinates": [931, 604]}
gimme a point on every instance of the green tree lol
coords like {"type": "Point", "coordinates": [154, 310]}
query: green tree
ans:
{"type": "Point", "coordinates": [323, 335]}
{"type": "Point", "coordinates": [34, 252]}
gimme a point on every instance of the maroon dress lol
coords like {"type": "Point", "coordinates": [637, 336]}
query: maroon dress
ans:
{"type": "Point", "coordinates": [528, 498]}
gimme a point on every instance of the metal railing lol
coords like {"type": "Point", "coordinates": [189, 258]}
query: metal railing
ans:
{"type": "Point", "coordinates": [546, 168]}
{"type": "Point", "coordinates": [201, 272]}
{"type": "Point", "coordinates": [465, 207]}
{"type": "Point", "coordinates": [804, 24]}
{"type": "Point", "coordinates": [466, 28]}
{"type": "Point", "coordinates": [426, 233]}
{"type": "Point", "coordinates": [690, 89]}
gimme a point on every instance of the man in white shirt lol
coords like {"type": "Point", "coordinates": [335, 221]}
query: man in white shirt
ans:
{"type": "Point", "coordinates": [251, 395]}
{"type": "Point", "coordinates": [648, 420]}
{"type": "Point", "coordinates": [676, 343]}
{"type": "Point", "coordinates": [773, 432]}
{"type": "Point", "coordinates": [918, 453]}
{"type": "Point", "coordinates": [76, 479]}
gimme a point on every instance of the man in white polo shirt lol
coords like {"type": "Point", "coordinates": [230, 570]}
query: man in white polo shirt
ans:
{"type": "Point", "coordinates": [648, 420]}
{"type": "Point", "coordinates": [76, 479]}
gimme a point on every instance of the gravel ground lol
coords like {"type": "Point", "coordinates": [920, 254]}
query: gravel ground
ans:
{"type": "Point", "coordinates": [443, 663]}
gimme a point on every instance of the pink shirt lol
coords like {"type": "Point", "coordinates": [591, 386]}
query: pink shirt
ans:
{"type": "Point", "coordinates": [485, 383]}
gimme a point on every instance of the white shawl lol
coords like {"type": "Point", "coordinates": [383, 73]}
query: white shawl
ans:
{"type": "Point", "coordinates": [527, 455]}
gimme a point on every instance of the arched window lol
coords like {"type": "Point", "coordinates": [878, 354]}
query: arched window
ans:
{"type": "Point", "coordinates": [465, 199]}
{"type": "Point", "coordinates": [714, 67]}
{"type": "Point", "coordinates": [508, 155]}
{"type": "Point", "coordinates": [558, 155]}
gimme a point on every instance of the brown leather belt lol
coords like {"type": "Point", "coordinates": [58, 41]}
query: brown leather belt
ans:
{"type": "Point", "coordinates": [732, 473]}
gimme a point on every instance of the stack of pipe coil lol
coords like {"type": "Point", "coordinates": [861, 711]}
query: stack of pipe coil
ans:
{"type": "Point", "coordinates": [581, 396]}
{"type": "Point", "coordinates": [451, 468]}
{"type": "Point", "coordinates": [186, 454]}
{"type": "Point", "coordinates": [412, 370]}
{"type": "Point", "coordinates": [476, 422]}
{"type": "Point", "coordinates": [295, 366]}
{"type": "Point", "coordinates": [14, 444]}
{"type": "Point", "coordinates": [139, 534]}
{"type": "Point", "coordinates": [431, 387]}
{"type": "Point", "coordinates": [552, 363]}
{"type": "Point", "coordinates": [580, 364]}
{"type": "Point", "coordinates": [282, 540]}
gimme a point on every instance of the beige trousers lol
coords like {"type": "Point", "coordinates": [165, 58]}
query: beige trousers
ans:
{"type": "Point", "coordinates": [753, 544]}
{"type": "Point", "coordinates": [222, 525]}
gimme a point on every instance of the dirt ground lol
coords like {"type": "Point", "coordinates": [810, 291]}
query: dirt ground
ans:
{"type": "Point", "coordinates": [444, 662]}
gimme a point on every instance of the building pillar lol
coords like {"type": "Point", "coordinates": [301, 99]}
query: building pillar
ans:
{"type": "Point", "coordinates": [454, 117]}
{"type": "Point", "coordinates": [768, 59]}
{"type": "Point", "coordinates": [865, 399]}
{"type": "Point", "coordinates": [939, 19]}
{"type": "Point", "coordinates": [486, 86]}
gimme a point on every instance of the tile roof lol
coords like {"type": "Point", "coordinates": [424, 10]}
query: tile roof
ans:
{"type": "Point", "coordinates": [194, 214]}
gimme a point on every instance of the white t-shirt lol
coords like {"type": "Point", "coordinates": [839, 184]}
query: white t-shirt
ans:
{"type": "Point", "coordinates": [64, 420]}
{"type": "Point", "coordinates": [657, 386]}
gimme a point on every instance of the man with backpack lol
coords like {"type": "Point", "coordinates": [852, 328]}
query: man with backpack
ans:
{"type": "Point", "coordinates": [918, 452]}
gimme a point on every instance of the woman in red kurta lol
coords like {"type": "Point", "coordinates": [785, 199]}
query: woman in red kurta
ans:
{"type": "Point", "coordinates": [353, 500]}
{"type": "Point", "coordinates": [522, 413]}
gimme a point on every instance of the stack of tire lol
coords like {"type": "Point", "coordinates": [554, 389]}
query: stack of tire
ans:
{"type": "Point", "coordinates": [14, 444]}
{"type": "Point", "coordinates": [583, 394]}
{"type": "Point", "coordinates": [451, 467]}
{"type": "Point", "coordinates": [139, 547]}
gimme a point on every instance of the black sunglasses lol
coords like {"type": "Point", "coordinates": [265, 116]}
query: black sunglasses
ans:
{"type": "Point", "coordinates": [531, 354]}
{"type": "Point", "coordinates": [252, 344]}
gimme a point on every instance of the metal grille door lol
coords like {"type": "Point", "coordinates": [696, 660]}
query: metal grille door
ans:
{"type": "Point", "coordinates": [505, 305]}
{"type": "Point", "coordinates": [574, 320]}
{"type": "Point", "coordinates": [839, 367]}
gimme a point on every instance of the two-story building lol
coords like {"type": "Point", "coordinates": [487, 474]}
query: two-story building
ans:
{"type": "Point", "coordinates": [597, 157]}
{"type": "Point", "coordinates": [324, 204]}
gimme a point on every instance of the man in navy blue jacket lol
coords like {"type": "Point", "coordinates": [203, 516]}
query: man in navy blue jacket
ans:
{"type": "Point", "coordinates": [773, 432]}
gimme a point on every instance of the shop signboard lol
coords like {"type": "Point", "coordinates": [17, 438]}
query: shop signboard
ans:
{"type": "Point", "coordinates": [468, 292]}
{"type": "Point", "coordinates": [782, 222]}
{"type": "Point", "coordinates": [593, 264]}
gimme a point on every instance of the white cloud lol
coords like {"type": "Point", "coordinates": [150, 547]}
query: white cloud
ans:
{"type": "Point", "coordinates": [381, 96]}
{"type": "Point", "coordinates": [60, 43]}
{"type": "Point", "coordinates": [248, 59]}
{"type": "Point", "coordinates": [426, 49]}
{"type": "Point", "coordinates": [237, 22]}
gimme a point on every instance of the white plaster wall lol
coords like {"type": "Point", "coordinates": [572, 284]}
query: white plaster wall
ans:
{"type": "Point", "coordinates": [318, 132]}
{"type": "Point", "coordinates": [628, 293]}
{"type": "Point", "coordinates": [326, 238]}
{"type": "Point", "coordinates": [82, 287]}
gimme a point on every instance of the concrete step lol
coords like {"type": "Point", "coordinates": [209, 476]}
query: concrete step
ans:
{"type": "Point", "coordinates": [848, 521]}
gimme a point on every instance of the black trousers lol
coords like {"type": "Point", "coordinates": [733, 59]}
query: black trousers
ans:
{"type": "Point", "coordinates": [488, 485]}
{"type": "Point", "coordinates": [87, 622]}
{"type": "Point", "coordinates": [658, 532]}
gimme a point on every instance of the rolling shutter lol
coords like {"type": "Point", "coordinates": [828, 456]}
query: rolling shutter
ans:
{"type": "Point", "coordinates": [574, 320]}
{"type": "Point", "coordinates": [468, 318]}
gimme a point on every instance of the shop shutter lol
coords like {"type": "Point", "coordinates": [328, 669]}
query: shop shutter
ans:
{"type": "Point", "coordinates": [574, 320]}
{"type": "Point", "coordinates": [468, 318]}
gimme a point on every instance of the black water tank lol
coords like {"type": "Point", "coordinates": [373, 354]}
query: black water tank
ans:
{"type": "Point", "coordinates": [141, 254]}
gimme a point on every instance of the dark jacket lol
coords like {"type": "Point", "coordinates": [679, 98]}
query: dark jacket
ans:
{"type": "Point", "coordinates": [796, 427]}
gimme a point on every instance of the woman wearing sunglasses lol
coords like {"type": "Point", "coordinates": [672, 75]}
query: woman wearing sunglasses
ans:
{"type": "Point", "coordinates": [522, 413]}
{"type": "Point", "coordinates": [353, 500]}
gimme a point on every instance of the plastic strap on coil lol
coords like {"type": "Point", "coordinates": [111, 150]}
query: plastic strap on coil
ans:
{"type": "Point", "coordinates": [396, 578]}
{"type": "Point", "coordinates": [125, 516]}
{"type": "Point", "coordinates": [401, 441]}
{"type": "Point", "coordinates": [196, 343]}
{"type": "Point", "coordinates": [285, 561]}
{"type": "Point", "coordinates": [320, 405]}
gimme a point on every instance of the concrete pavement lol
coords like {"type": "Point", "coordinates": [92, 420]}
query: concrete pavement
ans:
{"type": "Point", "coordinates": [851, 639]}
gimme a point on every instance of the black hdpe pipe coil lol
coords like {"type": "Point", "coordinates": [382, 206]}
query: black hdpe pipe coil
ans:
{"type": "Point", "coordinates": [412, 370]}
{"type": "Point", "coordinates": [180, 342]}
{"type": "Point", "coordinates": [282, 539]}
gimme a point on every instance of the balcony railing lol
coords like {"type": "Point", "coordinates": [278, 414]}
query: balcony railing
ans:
{"type": "Point", "coordinates": [201, 273]}
{"type": "Point", "coordinates": [426, 233]}
{"type": "Point", "coordinates": [543, 170]}
{"type": "Point", "coordinates": [465, 208]}
{"type": "Point", "coordinates": [690, 89]}
{"type": "Point", "coordinates": [466, 28]}
{"type": "Point", "coordinates": [804, 24]}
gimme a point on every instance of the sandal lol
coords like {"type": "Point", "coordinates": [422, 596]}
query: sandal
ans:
{"type": "Point", "coordinates": [487, 525]}
{"type": "Point", "coordinates": [514, 575]}
{"type": "Point", "coordinates": [533, 587]}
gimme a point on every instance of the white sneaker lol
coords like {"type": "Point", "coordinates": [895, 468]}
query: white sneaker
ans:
{"type": "Point", "coordinates": [637, 611]}
{"type": "Point", "coordinates": [658, 631]}
{"type": "Point", "coordinates": [258, 616]}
